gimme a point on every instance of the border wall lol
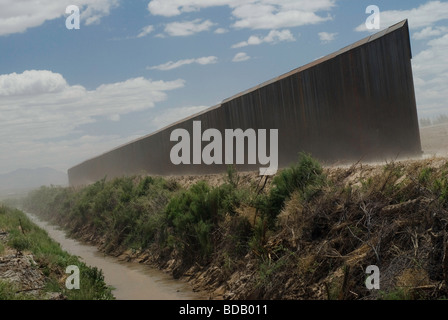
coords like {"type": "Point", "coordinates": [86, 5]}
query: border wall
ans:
{"type": "Point", "coordinates": [355, 104]}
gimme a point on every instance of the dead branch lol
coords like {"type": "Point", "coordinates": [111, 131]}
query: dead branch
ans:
{"type": "Point", "coordinates": [32, 289]}
{"type": "Point", "coordinates": [368, 243]}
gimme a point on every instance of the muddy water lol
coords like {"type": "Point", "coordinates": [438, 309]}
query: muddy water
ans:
{"type": "Point", "coordinates": [131, 281]}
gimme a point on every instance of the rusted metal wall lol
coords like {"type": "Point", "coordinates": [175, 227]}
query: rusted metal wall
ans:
{"type": "Point", "coordinates": [355, 104]}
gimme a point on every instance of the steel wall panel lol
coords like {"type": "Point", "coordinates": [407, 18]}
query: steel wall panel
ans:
{"type": "Point", "coordinates": [357, 103]}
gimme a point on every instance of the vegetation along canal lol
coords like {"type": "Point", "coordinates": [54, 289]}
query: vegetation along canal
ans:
{"type": "Point", "coordinates": [131, 281]}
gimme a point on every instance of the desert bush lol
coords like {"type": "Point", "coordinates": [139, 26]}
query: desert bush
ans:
{"type": "Point", "coordinates": [189, 212]}
{"type": "Point", "coordinates": [192, 216]}
{"type": "Point", "coordinates": [306, 176]}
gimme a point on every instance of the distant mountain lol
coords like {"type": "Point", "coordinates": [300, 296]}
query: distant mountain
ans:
{"type": "Point", "coordinates": [23, 180]}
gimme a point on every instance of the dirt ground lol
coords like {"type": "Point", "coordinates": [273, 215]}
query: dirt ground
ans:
{"type": "Point", "coordinates": [22, 270]}
{"type": "Point", "coordinates": [435, 140]}
{"type": "Point", "coordinates": [412, 257]}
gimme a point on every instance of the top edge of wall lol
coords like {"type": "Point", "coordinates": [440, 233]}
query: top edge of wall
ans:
{"type": "Point", "coordinates": [400, 25]}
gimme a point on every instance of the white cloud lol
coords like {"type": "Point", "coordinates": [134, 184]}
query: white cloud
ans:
{"type": "Point", "coordinates": [35, 110]}
{"type": "Point", "coordinates": [252, 41]}
{"type": "Point", "coordinates": [177, 64]}
{"type": "Point", "coordinates": [31, 82]}
{"type": "Point", "coordinates": [96, 9]}
{"type": "Point", "coordinates": [253, 14]}
{"type": "Point", "coordinates": [274, 36]}
{"type": "Point", "coordinates": [171, 8]}
{"type": "Point", "coordinates": [278, 14]}
{"type": "Point", "coordinates": [429, 32]}
{"type": "Point", "coordinates": [19, 16]}
{"type": "Point", "coordinates": [40, 111]}
{"type": "Point", "coordinates": [430, 68]}
{"type": "Point", "coordinates": [221, 31]}
{"type": "Point", "coordinates": [207, 60]}
{"type": "Point", "coordinates": [187, 28]}
{"type": "Point", "coordinates": [114, 117]}
{"type": "Point", "coordinates": [240, 57]}
{"type": "Point", "coordinates": [425, 15]}
{"type": "Point", "coordinates": [327, 37]}
{"type": "Point", "coordinates": [145, 31]}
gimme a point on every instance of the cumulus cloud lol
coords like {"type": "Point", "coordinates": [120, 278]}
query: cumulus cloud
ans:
{"type": "Point", "coordinates": [31, 82]}
{"type": "Point", "coordinates": [188, 28]}
{"type": "Point", "coordinates": [19, 16]}
{"type": "Point", "coordinates": [145, 31]}
{"type": "Point", "coordinates": [274, 36]}
{"type": "Point", "coordinates": [254, 14]}
{"type": "Point", "coordinates": [171, 8]}
{"type": "Point", "coordinates": [44, 106]}
{"type": "Point", "coordinates": [276, 14]}
{"type": "Point", "coordinates": [429, 32]}
{"type": "Point", "coordinates": [425, 15]}
{"type": "Point", "coordinates": [177, 64]}
{"type": "Point", "coordinates": [94, 10]}
{"type": "Point", "coordinates": [221, 31]}
{"type": "Point", "coordinates": [431, 76]}
{"type": "Point", "coordinates": [240, 57]}
{"type": "Point", "coordinates": [326, 37]}
{"type": "Point", "coordinates": [40, 111]}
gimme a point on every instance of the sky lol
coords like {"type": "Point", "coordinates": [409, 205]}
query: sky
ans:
{"type": "Point", "coordinates": [135, 66]}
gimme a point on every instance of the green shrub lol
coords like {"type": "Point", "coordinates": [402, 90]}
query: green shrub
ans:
{"type": "Point", "coordinates": [194, 214]}
{"type": "Point", "coordinates": [232, 176]}
{"type": "Point", "coordinates": [240, 233]}
{"type": "Point", "coordinates": [202, 230]}
{"type": "Point", "coordinates": [440, 188]}
{"type": "Point", "coordinates": [92, 285]}
{"type": "Point", "coordinates": [267, 272]}
{"type": "Point", "coordinates": [20, 242]}
{"type": "Point", "coordinates": [258, 240]}
{"type": "Point", "coordinates": [144, 185]}
{"type": "Point", "coordinates": [8, 291]}
{"type": "Point", "coordinates": [306, 176]}
{"type": "Point", "coordinates": [395, 294]}
{"type": "Point", "coordinates": [184, 212]}
{"type": "Point", "coordinates": [425, 175]}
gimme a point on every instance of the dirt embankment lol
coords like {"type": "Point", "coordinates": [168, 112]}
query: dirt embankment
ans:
{"type": "Point", "coordinates": [33, 266]}
{"type": "Point", "coordinates": [391, 215]}
{"type": "Point", "coordinates": [23, 273]}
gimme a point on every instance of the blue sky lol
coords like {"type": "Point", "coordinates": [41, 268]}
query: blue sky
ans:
{"type": "Point", "coordinates": [136, 66]}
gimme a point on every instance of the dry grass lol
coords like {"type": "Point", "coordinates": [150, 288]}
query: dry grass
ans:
{"type": "Point", "coordinates": [371, 215]}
